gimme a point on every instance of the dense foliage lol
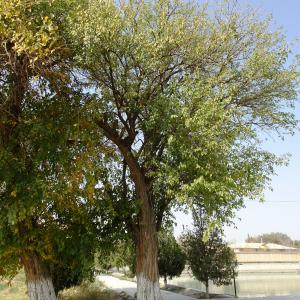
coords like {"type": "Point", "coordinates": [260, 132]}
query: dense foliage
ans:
{"type": "Point", "coordinates": [113, 113]}
{"type": "Point", "coordinates": [163, 72]}
{"type": "Point", "coordinates": [121, 255]}
{"type": "Point", "coordinates": [181, 96]}
{"type": "Point", "coordinates": [49, 207]}
{"type": "Point", "coordinates": [208, 256]}
{"type": "Point", "coordinates": [274, 237]}
{"type": "Point", "coordinates": [171, 258]}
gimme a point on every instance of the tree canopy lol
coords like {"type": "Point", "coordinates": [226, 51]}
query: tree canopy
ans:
{"type": "Point", "coordinates": [144, 105]}
{"type": "Point", "coordinates": [208, 256]}
{"type": "Point", "coordinates": [209, 260]}
{"type": "Point", "coordinates": [182, 95]}
{"type": "Point", "coordinates": [46, 198]}
{"type": "Point", "coordinates": [273, 237]}
{"type": "Point", "coordinates": [171, 258]}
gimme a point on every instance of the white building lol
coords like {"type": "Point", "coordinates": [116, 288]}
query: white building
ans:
{"type": "Point", "coordinates": [266, 257]}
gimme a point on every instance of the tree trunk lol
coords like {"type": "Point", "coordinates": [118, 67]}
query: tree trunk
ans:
{"type": "Point", "coordinates": [165, 281]}
{"type": "Point", "coordinates": [206, 290]}
{"type": "Point", "coordinates": [146, 249]}
{"type": "Point", "coordinates": [145, 234]}
{"type": "Point", "coordinates": [39, 283]}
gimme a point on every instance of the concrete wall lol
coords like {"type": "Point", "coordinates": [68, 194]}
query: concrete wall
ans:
{"type": "Point", "coordinates": [269, 268]}
{"type": "Point", "coordinates": [267, 257]}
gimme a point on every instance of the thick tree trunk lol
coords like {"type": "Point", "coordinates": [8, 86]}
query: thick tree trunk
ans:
{"type": "Point", "coordinates": [145, 234]}
{"type": "Point", "coordinates": [206, 290]}
{"type": "Point", "coordinates": [147, 249]}
{"type": "Point", "coordinates": [39, 283]}
{"type": "Point", "coordinates": [147, 268]}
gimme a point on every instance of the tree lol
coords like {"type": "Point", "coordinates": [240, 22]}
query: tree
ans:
{"type": "Point", "coordinates": [120, 255]}
{"type": "Point", "coordinates": [296, 243]}
{"type": "Point", "coordinates": [30, 46]}
{"type": "Point", "coordinates": [61, 217]}
{"type": "Point", "coordinates": [180, 95]}
{"type": "Point", "coordinates": [171, 258]}
{"type": "Point", "coordinates": [273, 237]}
{"type": "Point", "coordinates": [41, 174]}
{"type": "Point", "coordinates": [37, 199]}
{"type": "Point", "coordinates": [209, 259]}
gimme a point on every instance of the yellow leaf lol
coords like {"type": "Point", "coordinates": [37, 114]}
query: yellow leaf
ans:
{"type": "Point", "coordinates": [44, 39]}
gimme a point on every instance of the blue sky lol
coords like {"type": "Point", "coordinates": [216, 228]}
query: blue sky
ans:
{"type": "Point", "coordinates": [281, 210]}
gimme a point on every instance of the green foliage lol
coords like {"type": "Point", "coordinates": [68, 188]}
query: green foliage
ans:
{"type": "Point", "coordinates": [208, 256]}
{"type": "Point", "coordinates": [96, 96]}
{"type": "Point", "coordinates": [209, 259]}
{"type": "Point", "coordinates": [48, 201]}
{"type": "Point", "coordinates": [72, 257]}
{"type": "Point", "coordinates": [185, 94]}
{"type": "Point", "coordinates": [273, 237]}
{"type": "Point", "coordinates": [171, 258]}
{"type": "Point", "coordinates": [119, 255]}
{"type": "Point", "coordinates": [32, 134]}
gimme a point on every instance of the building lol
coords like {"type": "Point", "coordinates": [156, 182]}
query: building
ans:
{"type": "Point", "coordinates": [266, 257]}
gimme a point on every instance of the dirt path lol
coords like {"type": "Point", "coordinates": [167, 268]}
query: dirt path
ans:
{"type": "Point", "coordinates": [129, 288]}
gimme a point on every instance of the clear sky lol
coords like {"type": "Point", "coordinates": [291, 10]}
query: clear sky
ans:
{"type": "Point", "coordinates": [281, 210]}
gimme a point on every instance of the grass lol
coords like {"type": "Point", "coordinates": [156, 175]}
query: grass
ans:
{"type": "Point", "coordinates": [16, 290]}
{"type": "Point", "coordinates": [88, 291]}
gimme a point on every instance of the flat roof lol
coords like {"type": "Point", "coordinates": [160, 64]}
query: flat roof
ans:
{"type": "Point", "coordinates": [260, 246]}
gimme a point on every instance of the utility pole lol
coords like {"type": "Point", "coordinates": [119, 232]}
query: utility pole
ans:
{"type": "Point", "coordinates": [234, 282]}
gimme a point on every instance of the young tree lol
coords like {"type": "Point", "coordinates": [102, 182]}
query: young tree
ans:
{"type": "Point", "coordinates": [179, 94]}
{"type": "Point", "coordinates": [171, 258]}
{"type": "Point", "coordinates": [209, 259]}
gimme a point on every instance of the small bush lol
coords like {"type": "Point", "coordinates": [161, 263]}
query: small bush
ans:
{"type": "Point", "coordinates": [88, 291]}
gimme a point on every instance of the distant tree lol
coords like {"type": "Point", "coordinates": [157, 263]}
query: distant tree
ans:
{"type": "Point", "coordinates": [273, 237]}
{"type": "Point", "coordinates": [171, 258]}
{"type": "Point", "coordinates": [208, 256]}
{"type": "Point", "coordinates": [120, 255]}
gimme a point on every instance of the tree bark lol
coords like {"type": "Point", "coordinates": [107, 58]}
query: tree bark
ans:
{"type": "Point", "coordinates": [146, 268]}
{"type": "Point", "coordinates": [38, 280]}
{"type": "Point", "coordinates": [9, 116]}
{"type": "Point", "coordinates": [206, 290]}
{"type": "Point", "coordinates": [145, 232]}
{"type": "Point", "coordinates": [147, 273]}
{"type": "Point", "coordinates": [146, 246]}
